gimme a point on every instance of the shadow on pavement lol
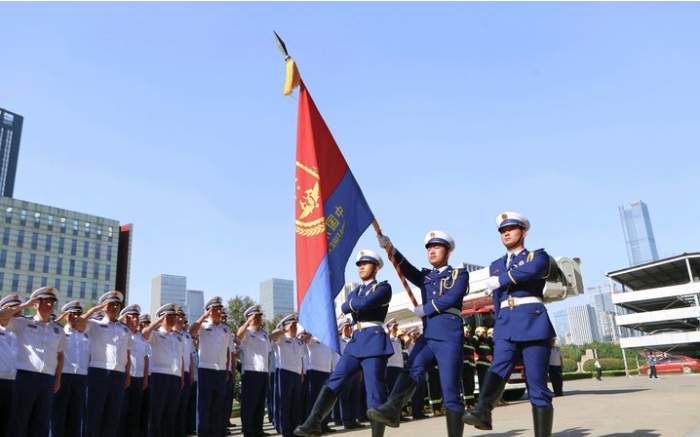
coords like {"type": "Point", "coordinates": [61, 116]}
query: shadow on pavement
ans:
{"type": "Point", "coordinates": [511, 433]}
{"type": "Point", "coordinates": [573, 432]}
{"type": "Point", "coordinates": [635, 433]}
{"type": "Point", "coordinates": [603, 392]}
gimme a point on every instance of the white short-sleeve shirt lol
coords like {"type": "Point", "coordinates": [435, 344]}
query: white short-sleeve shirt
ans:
{"type": "Point", "coordinates": [213, 344]}
{"type": "Point", "coordinates": [76, 353]}
{"type": "Point", "coordinates": [167, 350]}
{"type": "Point", "coordinates": [140, 349]}
{"type": "Point", "coordinates": [320, 356]}
{"type": "Point", "coordinates": [38, 344]}
{"type": "Point", "coordinates": [290, 354]}
{"type": "Point", "coordinates": [109, 344]}
{"type": "Point", "coordinates": [8, 353]}
{"type": "Point", "coordinates": [396, 360]}
{"type": "Point", "coordinates": [255, 348]}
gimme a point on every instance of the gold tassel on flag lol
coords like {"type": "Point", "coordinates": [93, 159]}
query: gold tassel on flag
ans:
{"type": "Point", "coordinates": [291, 78]}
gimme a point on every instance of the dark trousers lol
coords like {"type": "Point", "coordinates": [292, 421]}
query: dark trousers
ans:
{"type": "Point", "coordinates": [288, 401]}
{"type": "Point", "coordinates": [448, 355]}
{"type": "Point", "coordinates": [182, 408]}
{"type": "Point", "coordinates": [31, 404]}
{"type": "Point", "coordinates": [392, 374]}
{"type": "Point", "coordinates": [68, 410]}
{"type": "Point", "coordinates": [271, 398]}
{"type": "Point", "coordinates": [192, 410]}
{"type": "Point", "coordinates": [313, 382]}
{"type": "Point", "coordinates": [104, 402]}
{"type": "Point", "coordinates": [468, 384]}
{"type": "Point", "coordinates": [652, 372]}
{"type": "Point", "coordinates": [7, 388]}
{"type": "Point", "coordinates": [145, 412]}
{"type": "Point", "coordinates": [130, 423]}
{"type": "Point", "coordinates": [418, 400]}
{"type": "Point", "coordinates": [481, 374]}
{"type": "Point", "coordinates": [557, 380]}
{"type": "Point", "coordinates": [165, 394]}
{"type": "Point", "coordinates": [434, 389]}
{"type": "Point", "coordinates": [253, 391]}
{"type": "Point", "coordinates": [228, 400]}
{"type": "Point", "coordinates": [535, 358]}
{"type": "Point", "coordinates": [210, 402]}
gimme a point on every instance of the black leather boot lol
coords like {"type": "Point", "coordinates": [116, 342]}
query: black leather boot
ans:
{"type": "Point", "coordinates": [543, 417]}
{"type": "Point", "coordinates": [389, 413]}
{"type": "Point", "coordinates": [455, 426]}
{"type": "Point", "coordinates": [323, 405]}
{"type": "Point", "coordinates": [489, 394]}
{"type": "Point", "coordinates": [378, 429]}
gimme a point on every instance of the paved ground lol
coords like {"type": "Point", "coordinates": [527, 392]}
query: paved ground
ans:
{"type": "Point", "coordinates": [614, 407]}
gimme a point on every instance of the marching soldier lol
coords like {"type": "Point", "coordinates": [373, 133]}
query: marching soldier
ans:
{"type": "Point", "coordinates": [254, 348]}
{"type": "Point", "coordinates": [289, 387]}
{"type": "Point", "coordinates": [139, 354]}
{"type": "Point", "coordinates": [144, 322]}
{"type": "Point", "coordinates": [483, 355]}
{"type": "Point", "coordinates": [468, 367]}
{"type": "Point", "coordinates": [368, 351]}
{"type": "Point", "coordinates": [319, 365]}
{"type": "Point", "coordinates": [522, 324]}
{"type": "Point", "coordinates": [8, 360]}
{"type": "Point", "coordinates": [442, 291]}
{"type": "Point", "coordinates": [167, 372]}
{"type": "Point", "coordinates": [68, 411]}
{"type": "Point", "coordinates": [213, 345]}
{"type": "Point", "coordinates": [188, 379]}
{"type": "Point", "coordinates": [109, 368]}
{"type": "Point", "coordinates": [40, 344]}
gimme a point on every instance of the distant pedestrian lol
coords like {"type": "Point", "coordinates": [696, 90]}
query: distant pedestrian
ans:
{"type": "Point", "coordinates": [555, 369]}
{"type": "Point", "coordinates": [651, 361]}
{"type": "Point", "coordinates": [598, 370]}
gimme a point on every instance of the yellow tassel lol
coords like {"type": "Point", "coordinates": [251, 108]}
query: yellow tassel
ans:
{"type": "Point", "coordinates": [291, 78]}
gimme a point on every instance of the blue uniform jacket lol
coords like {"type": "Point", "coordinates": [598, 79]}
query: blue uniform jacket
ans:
{"type": "Point", "coordinates": [440, 292]}
{"type": "Point", "coordinates": [369, 303]}
{"type": "Point", "coordinates": [525, 277]}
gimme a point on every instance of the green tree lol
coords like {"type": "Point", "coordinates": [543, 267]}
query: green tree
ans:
{"type": "Point", "coordinates": [270, 325]}
{"type": "Point", "coordinates": [235, 308]}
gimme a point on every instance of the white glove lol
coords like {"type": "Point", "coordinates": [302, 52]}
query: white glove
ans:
{"type": "Point", "coordinates": [492, 283]}
{"type": "Point", "coordinates": [418, 311]}
{"type": "Point", "coordinates": [384, 242]}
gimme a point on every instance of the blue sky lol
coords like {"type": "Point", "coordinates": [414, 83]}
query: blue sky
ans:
{"type": "Point", "coordinates": [170, 116]}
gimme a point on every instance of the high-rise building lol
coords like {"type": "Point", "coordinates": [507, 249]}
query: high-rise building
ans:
{"type": "Point", "coordinates": [639, 236]}
{"type": "Point", "coordinates": [560, 320]}
{"type": "Point", "coordinates": [47, 246]}
{"type": "Point", "coordinates": [195, 304]}
{"type": "Point", "coordinates": [601, 300]}
{"type": "Point", "coordinates": [276, 297]}
{"type": "Point", "coordinates": [124, 258]}
{"type": "Point", "coordinates": [168, 289]}
{"type": "Point", "coordinates": [583, 324]}
{"type": "Point", "coordinates": [10, 134]}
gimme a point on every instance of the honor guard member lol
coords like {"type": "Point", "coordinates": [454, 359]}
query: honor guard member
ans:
{"type": "Point", "coordinates": [186, 392]}
{"type": "Point", "coordinates": [394, 366]}
{"type": "Point", "coordinates": [108, 371]}
{"type": "Point", "coordinates": [130, 424]}
{"type": "Point", "coordinates": [213, 336]}
{"type": "Point", "coordinates": [483, 355]}
{"type": "Point", "coordinates": [522, 326]}
{"type": "Point", "coordinates": [468, 367]}
{"type": "Point", "coordinates": [8, 359]}
{"type": "Point", "coordinates": [254, 348]}
{"type": "Point", "coordinates": [68, 411]}
{"type": "Point", "coordinates": [289, 404]}
{"type": "Point", "coordinates": [166, 371]}
{"type": "Point", "coordinates": [144, 321]}
{"type": "Point", "coordinates": [367, 352]}
{"type": "Point", "coordinates": [442, 291]}
{"type": "Point", "coordinates": [40, 344]}
{"type": "Point", "coordinates": [319, 359]}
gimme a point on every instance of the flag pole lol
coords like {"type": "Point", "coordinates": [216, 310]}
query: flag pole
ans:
{"type": "Point", "coordinates": [378, 230]}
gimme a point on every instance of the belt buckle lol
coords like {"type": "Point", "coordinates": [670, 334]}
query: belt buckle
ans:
{"type": "Point", "coordinates": [511, 302]}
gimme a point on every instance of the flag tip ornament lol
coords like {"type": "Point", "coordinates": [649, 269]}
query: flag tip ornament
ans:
{"type": "Point", "coordinates": [291, 76]}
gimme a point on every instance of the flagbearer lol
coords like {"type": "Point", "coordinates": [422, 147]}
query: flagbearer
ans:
{"type": "Point", "coordinates": [368, 351]}
{"type": "Point", "coordinates": [442, 291]}
{"type": "Point", "coordinates": [522, 330]}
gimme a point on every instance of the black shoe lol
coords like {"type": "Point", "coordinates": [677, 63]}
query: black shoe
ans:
{"type": "Point", "coordinates": [325, 429]}
{"type": "Point", "coordinates": [489, 394]}
{"type": "Point", "coordinates": [323, 405]}
{"type": "Point", "coordinates": [419, 416]}
{"type": "Point", "coordinates": [353, 425]}
{"type": "Point", "coordinates": [543, 418]}
{"type": "Point", "coordinates": [378, 429]}
{"type": "Point", "coordinates": [389, 413]}
{"type": "Point", "coordinates": [455, 426]}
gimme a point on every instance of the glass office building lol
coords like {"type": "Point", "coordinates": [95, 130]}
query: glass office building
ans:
{"type": "Point", "coordinates": [46, 246]}
{"type": "Point", "coordinates": [639, 237]}
{"type": "Point", "coordinates": [276, 297]}
{"type": "Point", "coordinates": [10, 134]}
